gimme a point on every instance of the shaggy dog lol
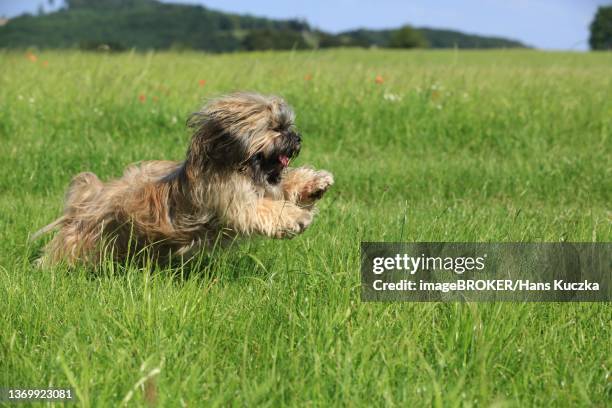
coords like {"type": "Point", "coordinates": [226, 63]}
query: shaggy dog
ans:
{"type": "Point", "coordinates": [235, 181]}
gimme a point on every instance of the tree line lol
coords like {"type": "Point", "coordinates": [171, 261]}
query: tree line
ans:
{"type": "Point", "coordinates": [149, 24]}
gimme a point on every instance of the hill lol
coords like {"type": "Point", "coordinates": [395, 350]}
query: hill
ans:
{"type": "Point", "coordinates": [436, 38]}
{"type": "Point", "coordinates": [149, 24]}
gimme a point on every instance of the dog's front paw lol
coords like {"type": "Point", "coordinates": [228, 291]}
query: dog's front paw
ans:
{"type": "Point", "coordinates": [297, 221]}
{"type": "Point", "coordinates": [315, 189]}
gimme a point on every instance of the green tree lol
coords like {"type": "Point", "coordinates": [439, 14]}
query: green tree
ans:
{"type": "Point", "coordinates": [407, 37]}
{"type": "Point", "coordinates": [601, 29]}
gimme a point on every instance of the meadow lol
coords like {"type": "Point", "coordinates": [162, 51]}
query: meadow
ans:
{"type": "Point", "coordinates": [424, 145]}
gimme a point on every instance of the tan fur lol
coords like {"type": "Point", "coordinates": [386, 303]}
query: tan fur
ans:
{"type": "Point", "coordinates": [179, 208]}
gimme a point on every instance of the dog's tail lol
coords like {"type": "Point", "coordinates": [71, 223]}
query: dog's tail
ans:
{"type": "Point", "coordinates": [46, 229]}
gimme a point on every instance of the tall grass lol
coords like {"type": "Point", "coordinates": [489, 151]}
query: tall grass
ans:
{"type": "Point", "coordinates": [443, 146]}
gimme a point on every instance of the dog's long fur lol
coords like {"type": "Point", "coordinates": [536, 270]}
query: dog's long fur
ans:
{"type": "Point", "coordinates": [233, 182]}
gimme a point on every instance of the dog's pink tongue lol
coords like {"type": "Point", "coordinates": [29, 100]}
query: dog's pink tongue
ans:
{"type": "Point", "coordinates": [284, 160]}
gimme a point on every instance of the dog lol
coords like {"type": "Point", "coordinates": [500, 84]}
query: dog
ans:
{"type": "Point", "coordinates": [234, 182]}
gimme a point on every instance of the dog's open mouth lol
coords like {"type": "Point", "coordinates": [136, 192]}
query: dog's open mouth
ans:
{"type": "Point", "coordinates": [284, 160]}
{"type": "Point", "coordinates": [275, 165]}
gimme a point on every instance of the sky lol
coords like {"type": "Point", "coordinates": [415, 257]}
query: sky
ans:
{"type": "Point", "coordinates": [546, 24]}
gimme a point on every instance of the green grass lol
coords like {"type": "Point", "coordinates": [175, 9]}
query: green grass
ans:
{"type": "Point", "coordinates": [465, 146]}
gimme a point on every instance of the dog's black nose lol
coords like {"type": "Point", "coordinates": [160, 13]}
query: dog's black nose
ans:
{"type": "Point", "coordinates": [297, 141]}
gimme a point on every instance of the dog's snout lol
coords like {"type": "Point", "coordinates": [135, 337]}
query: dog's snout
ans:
{"type": "Point", "coordinates": [294, 137]}
{"type": "Point", "coordinates": [298, 142]}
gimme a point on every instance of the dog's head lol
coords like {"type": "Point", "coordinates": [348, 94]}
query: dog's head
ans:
{"type": "Point", "coordinates": [245, 131]}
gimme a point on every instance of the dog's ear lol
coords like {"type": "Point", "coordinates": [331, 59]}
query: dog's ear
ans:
{"type": "Point", "coordinates": [212, 144]}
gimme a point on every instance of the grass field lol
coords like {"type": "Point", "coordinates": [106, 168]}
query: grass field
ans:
{"type": "Point", "coordinates": [442, 146]}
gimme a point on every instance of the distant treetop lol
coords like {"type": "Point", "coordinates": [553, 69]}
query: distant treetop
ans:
{"type": "Point", "coordinates": [601, 29]}
{"type": "Point", "coordinates": [407, 37]}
